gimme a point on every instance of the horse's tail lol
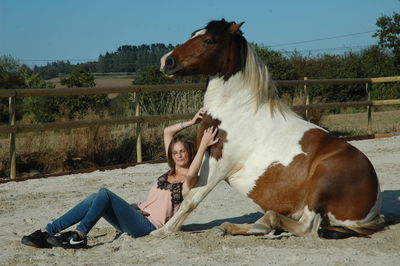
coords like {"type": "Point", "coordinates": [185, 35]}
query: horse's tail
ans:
{"type": "Point", "coordinates": [359, 229]}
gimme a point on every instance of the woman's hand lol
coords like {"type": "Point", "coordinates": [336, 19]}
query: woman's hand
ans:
{"type": "Point", "coordinates": [144, 213]}
{"type": "Point", "coordinates": [170, 131]}
{"type": "Point", "coordinates": [208, 138]}
{"type": "Point", "coordinates": [198, 116]}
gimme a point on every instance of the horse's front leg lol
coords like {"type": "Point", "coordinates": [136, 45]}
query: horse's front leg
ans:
{"type": "Point", "coordinates": [210, 176]}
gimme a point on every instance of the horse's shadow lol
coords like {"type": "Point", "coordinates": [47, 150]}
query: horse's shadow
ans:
{"type": "Point", "coordinates": [391, 206]}
{"type": "Point", "coordinates": [248, 218]}
{"type": "Point", "coordinates": [390, 210]}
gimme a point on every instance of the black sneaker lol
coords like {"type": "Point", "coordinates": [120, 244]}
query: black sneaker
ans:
{"type": "Point", "coordinates": [37, 239]}
{"type": "Point", "coordinates": [70, 239]}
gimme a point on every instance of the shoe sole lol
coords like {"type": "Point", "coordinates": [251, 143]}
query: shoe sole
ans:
{"type": "Point", "coordinates": [26, 241]}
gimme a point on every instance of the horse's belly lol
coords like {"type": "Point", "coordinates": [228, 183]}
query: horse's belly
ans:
{"type": "Point", "coordinates": [245, 180]}
{"type": "Point", "coordinates": [242, 183]}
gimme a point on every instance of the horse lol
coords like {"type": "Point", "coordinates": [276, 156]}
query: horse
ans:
{"type": "Point", "coordinates": [306, 181]}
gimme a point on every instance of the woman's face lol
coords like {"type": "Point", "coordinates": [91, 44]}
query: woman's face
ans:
{"type": "Point", "coordinates": [180, 155]}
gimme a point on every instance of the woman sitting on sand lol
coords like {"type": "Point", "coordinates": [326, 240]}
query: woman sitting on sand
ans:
{"type": "Point", "coordinates": [162, 202]}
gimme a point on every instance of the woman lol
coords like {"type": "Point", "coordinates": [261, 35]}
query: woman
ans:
{"type": "Point", "coordinates": [137, 220]}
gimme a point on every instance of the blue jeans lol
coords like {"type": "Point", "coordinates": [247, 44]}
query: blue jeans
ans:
{"type": "Point", "coordinates": [119, 213]}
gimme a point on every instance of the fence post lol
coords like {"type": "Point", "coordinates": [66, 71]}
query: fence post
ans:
{"type": "Point", "coordinates": [308, 117]}
{"type": "Point", "coordinates": [13, 164]}
{"type": "Point", "coordinates": [369, 116]}
{"type": "Point", "coordinates": [138, 129]}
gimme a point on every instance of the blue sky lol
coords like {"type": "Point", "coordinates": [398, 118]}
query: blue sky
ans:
{"type": "Point", "coordinates": [83, 29]}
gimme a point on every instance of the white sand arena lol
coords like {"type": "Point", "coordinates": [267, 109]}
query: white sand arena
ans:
{"type": "Point", "coordinates": [29, 205]}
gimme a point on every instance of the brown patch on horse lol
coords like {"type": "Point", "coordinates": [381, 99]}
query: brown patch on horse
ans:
{"type": "Point", "coordinates": [332, 176]}
{"type": "Point", "coordinates": [215, 151]}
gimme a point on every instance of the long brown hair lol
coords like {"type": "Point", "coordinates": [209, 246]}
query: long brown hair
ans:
{"type": "Point", "coordinates": [189, 146]}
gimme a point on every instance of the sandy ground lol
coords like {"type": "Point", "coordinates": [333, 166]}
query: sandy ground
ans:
{"type": "Point", "coordinates": [29, 205]}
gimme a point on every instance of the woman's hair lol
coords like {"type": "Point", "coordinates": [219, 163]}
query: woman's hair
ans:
{"type": "Point", "coordinates": [189, 146]}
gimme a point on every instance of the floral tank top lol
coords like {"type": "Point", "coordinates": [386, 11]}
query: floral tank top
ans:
{"type": "Point", "coordinates": [163, 201]}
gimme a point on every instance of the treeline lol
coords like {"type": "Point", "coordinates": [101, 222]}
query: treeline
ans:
{"type": "Point", "coordinates": [127, 58]}
{"type": "Point", "coordinates": [373, 61]}
{"type": "Point", "coordinates": [131, 58]}
{"type": "Point", "coordinates": [370, 62]}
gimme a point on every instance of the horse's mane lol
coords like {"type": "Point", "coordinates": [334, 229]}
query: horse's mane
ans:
{"type": "Point", "coordinates": [256, 74]}
{"type": "Point", "coordinates": [240, 56]}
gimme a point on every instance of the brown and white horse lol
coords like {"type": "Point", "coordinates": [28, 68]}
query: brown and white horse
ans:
{"type": "Point", "coordinates": [307, 181]}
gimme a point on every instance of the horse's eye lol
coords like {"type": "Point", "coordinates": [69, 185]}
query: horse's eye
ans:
{"type": "Point", "coordinates": [208, 41]}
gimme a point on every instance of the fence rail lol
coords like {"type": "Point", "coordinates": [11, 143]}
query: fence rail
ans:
{"type": "Point", "coordinates": [12, 94]}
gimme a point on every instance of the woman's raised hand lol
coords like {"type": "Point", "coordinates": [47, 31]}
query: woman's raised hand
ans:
{"type": "Point", "coordinates": [208, 138]}
{"type": "Point", "coordinates": [198, 116]}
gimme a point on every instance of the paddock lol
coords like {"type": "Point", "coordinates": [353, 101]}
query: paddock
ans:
{"type": "Point", "coordinates": [29, 205]}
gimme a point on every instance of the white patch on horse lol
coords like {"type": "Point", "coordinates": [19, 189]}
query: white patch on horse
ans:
{"type": "Point", "coordinates": [310, 222]}
{"type": "Point", "coordinates": [255, 140]}
{"type": "Point", "coordinates": [198, 33]}
{"type": "Point", "coordinates": [162, 60]}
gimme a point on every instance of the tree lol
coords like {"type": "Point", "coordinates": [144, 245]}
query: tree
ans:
{"type": "Point", "coordinates": [38, 109]}
{"type": "Point", "coordinates": [389, 34]}
{"type": "Point", "coordinates": [78, 78]}
{"type": "Point", "coordinates": [8, 64]}
{"type": "Point", "coordinates": [10, 80]}
{"type": "Point", "coordinates": [49, 109]}
{"type": "Point", "coordinates": [151, 75]}
{"type": "Point", "coordinates": [80, 105]}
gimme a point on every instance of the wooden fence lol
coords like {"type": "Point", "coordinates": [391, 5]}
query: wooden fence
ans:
{"type": "Point", "coordinates": [12, 94]}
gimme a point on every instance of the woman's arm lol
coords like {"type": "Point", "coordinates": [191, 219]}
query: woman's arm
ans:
{"type": "Point", "coordinates": [207, 140]}
{"type": "Point", "coordinates": [170, 131]}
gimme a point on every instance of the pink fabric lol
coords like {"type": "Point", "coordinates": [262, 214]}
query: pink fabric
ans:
{"type": "Point", "coordinates": [158, 204]}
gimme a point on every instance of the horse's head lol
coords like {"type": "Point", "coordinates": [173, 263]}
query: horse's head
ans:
{"type": "Point", "coordinates": [218, 49]}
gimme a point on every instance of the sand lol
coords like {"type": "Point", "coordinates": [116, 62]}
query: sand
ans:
{"type": "Point", "coordinates": [30, 205]}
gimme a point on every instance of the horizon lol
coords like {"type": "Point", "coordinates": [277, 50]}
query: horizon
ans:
{"type": "Point", "coordinates": [44, 31]}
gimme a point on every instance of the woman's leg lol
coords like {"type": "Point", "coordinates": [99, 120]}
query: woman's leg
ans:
{"type": "Point", "coordinates": [117, 212]}
{"type": "Point", "coordinates": [73, 216]}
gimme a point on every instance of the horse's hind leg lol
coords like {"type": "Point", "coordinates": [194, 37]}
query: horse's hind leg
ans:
{"type": "Point", "coordinates": [307, 225]}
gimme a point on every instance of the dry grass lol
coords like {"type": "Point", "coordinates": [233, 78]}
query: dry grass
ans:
{"type": "Point", "coordinates": [52, 152]}
{"type": "Point", "coordinates": [101, 81]}
{"type": "Point", "coordinates": [357, 123]}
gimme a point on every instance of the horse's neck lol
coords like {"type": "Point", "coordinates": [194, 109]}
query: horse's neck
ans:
{"type": "Point", "coordinates": [230, 94]}
{"type": "Point", "coordinates": [232, 103]}
{"type": "Point", "coordinates": [235, 96]}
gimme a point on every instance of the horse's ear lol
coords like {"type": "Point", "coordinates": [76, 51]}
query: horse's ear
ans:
{"type": "Point", "coordinates": [235, 28]}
